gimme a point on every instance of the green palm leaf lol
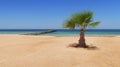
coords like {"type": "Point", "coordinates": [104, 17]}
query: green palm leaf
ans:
{"type": "Point", "coordinates": [69, 24]}
{"type": "Point", "coordinates": [94, 24]}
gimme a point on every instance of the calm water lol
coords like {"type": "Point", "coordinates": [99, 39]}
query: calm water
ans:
{"type": "Point", "coordinates": [62, 32]}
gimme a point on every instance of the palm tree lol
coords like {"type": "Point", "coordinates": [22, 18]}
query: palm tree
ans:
{"type": "Point", "coordinates": [82, 20]}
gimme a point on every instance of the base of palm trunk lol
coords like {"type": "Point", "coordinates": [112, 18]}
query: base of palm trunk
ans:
{"type": "Point", "coordinates": [77, 45]}
{"type": "Point", "coordinates": [82, 45]}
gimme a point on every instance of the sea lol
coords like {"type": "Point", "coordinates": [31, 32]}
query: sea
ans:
{"type": "Point", "coordinates": [64, 32]}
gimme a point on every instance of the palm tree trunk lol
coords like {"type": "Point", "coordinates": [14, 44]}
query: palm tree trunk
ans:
{"type": "Point", "coordinates": [82, 39]}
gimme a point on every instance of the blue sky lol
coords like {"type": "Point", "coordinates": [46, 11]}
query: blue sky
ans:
{"type": "Point", "coordinates": [40, 14]}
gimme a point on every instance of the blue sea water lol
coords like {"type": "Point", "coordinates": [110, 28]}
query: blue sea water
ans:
{"type": "Point", "coordinates": [63, 32]}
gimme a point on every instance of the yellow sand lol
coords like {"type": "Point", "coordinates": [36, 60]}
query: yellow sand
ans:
{"type": "Point", "coordinates": [51, 51]}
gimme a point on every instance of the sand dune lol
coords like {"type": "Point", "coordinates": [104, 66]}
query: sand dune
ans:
{"type": "Point", "coordinates": [51, 51]}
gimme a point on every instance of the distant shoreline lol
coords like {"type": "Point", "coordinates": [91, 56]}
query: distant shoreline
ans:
{"type": "Point", "coordinates": [64, 35]}
{"type": "Point", "coordinates": [55, 29]}
{"type": "Point", "coordinates": [64, 32]}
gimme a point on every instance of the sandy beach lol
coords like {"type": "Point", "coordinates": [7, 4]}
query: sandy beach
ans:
{"type": "Point", "coordinates": [53, 51]}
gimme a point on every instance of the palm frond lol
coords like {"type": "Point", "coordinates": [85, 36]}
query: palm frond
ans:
{"type": "Point", "coordinates": [69, 24]}
{"type": "Point", "coordinates": [89, 17]}
{"type": "Point", "coordinates": [94, 24]}
{"type": "Point", "coordinates": [83, 19]}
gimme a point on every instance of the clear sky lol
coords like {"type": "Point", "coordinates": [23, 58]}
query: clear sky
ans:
{"type": "Point", "coordinates": [37, 14]}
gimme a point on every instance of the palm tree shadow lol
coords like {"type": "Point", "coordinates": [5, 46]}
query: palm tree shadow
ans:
{"type": "Point", "coordinates": [88, 47]}
{"type": "Point", "coordinates": [91, 47]}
